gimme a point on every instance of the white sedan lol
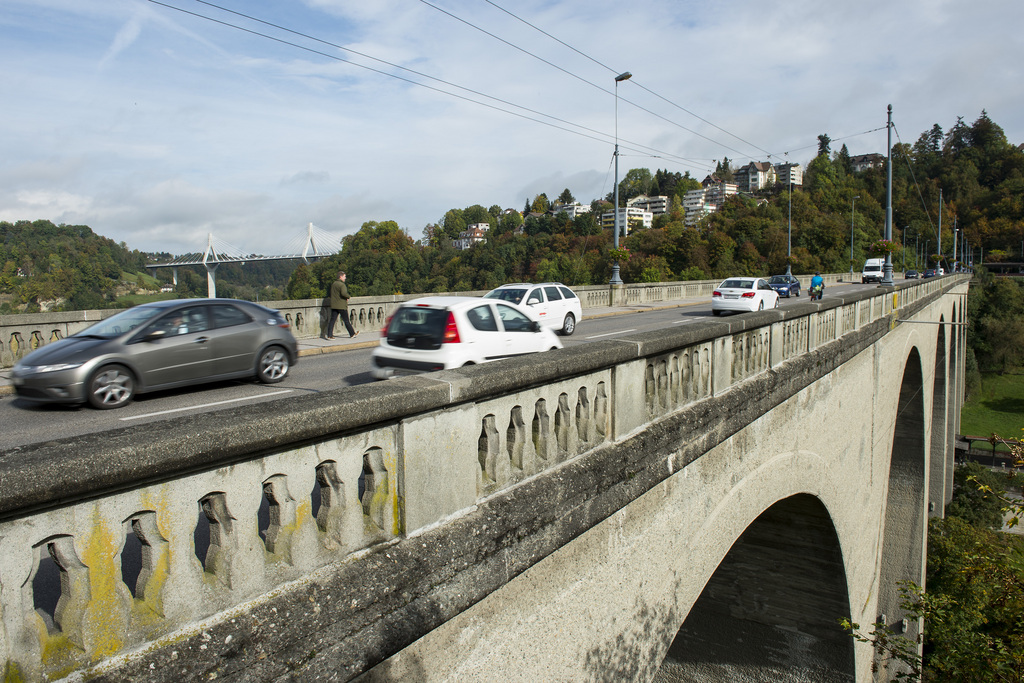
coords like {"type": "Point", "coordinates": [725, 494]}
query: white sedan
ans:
{"type": "Point", "coordinates": [743, 294]}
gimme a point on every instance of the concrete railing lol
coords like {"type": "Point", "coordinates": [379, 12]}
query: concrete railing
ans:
{"type": "Point", "coordinates": [21, 334]}
{"type": "Point", "coordinates": [146, 538]}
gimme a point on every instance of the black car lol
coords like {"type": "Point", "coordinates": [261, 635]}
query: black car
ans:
{"type": "Point", "coordinates": [911, 275]}
{"type": "Point", "coordinates": [785, 285]}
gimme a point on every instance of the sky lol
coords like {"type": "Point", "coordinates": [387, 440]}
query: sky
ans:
{"type": "Point", "coordinates": [160, 123]}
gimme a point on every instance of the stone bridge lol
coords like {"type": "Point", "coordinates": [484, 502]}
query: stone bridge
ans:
{"type": "Point", "coordinates": [702, 503]}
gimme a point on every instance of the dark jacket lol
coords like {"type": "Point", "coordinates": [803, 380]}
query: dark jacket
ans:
{"type": "Point", "coordinates": [339, 296]}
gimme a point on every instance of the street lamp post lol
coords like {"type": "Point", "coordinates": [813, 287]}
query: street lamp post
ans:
{"type": "Point", "coordinates": [853, 212]}
{"type": "Point", "coordinates": [905, 249]}
{"type": "Point", "coordinates": [789, 240]}
{"type": "Point", "coordinates": [624, 76]}
{"type": "Point", "coordinates": [887, 268]}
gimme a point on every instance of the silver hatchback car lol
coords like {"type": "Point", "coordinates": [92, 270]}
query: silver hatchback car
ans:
{"type": "Point", "coordinates": [159, 345]}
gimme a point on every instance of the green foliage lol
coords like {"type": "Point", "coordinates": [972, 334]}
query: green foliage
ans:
{"type": "Point", "coordinates": [980, 506]}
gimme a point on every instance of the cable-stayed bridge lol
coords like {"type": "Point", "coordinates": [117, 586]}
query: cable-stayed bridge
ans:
{"type": "Point", "coordinates": [308, 245]}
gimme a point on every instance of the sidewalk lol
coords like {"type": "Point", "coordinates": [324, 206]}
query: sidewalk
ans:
{"type": "Point", "coordinates": [315, 346]}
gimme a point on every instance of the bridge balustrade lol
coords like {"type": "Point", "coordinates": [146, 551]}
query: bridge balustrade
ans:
{"type": "Point", "coordinates": [136, 538]}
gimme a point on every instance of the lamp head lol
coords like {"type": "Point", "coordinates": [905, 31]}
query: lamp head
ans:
{"type": "Point", "coordinates": [624, 76]}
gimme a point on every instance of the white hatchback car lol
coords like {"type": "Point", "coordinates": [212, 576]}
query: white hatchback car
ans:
{"type": "Point", "coordinates": [552, 303]}
{"type": "Point", "coordinates": [743, 294]}
{"type": "Point", "coordinates": [441, 332]}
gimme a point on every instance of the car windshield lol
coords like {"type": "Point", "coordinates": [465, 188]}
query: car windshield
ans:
{"type": "Point", "coordinates": [513, 294]}
{"type": "Point", "coordinates": [779, 280]}
{"type": "Point", "coordinates": [872, 268]}
{"type": "Point", "coordinates": [122, 322]}
{"type": "Point", "coordinates": [738, 284]}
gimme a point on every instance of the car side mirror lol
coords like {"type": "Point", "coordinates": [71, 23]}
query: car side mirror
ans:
{"type": "Point", "coordinates": [534, 326]}
{"type": "Point", "coordinates": [154, 335]}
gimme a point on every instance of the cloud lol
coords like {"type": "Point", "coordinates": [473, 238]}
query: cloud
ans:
{"type": "Point", "coordinates": [190, 127]}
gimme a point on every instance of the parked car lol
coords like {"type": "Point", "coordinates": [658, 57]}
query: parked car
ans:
{"type": "Point", "coordinates": [785, 285]}
{"type": "Point", "coordinates": [552, 303]}
{"type": "Point", "coordinates": [911, 275]}
{"type": "Point", "coordinates": [929, 272]}
{"type": "Point", "coordinates": [440, 332]}
{"type": "Point", "coordinates": [159, 345]}
{"type": "Point", "coordinates": [743, 294]}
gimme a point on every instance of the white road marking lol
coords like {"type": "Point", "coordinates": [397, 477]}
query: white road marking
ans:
{"type": "Point", "coordinates": [205, 405]}
{"type": "Point", "coordinates": [610, 334]}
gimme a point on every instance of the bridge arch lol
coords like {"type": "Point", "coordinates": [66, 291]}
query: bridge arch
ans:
{"type": "Point", "coordinates": [939, 429]}
{"type": "Point", "coordinates": [906, 522]}
{"type": "Point", "coordinates": [770, 609]}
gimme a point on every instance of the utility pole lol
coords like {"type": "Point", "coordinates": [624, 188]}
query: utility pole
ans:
{"type": "Point", "coordinates": [887, 268]}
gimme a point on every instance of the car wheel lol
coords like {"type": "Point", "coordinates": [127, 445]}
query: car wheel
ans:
{"type": "Point", "coordinates": [273, 365]}
{"type": "Point", "coordinates": [776, 302]}
{"type": "Point", "coordinates": [569, 324]}
{"type": "Point", "coordinates": [112, 386]}
{"type": "Point", "coordinates": [716, 313]}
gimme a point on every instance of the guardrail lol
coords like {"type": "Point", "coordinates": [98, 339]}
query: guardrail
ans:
{"type": "Point", "coordinates": [136, 538]}
{"type": "Point", "coordinates": [23, 333]}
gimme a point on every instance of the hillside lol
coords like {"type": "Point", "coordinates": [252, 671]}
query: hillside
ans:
{"type": "Point", "coordinates": [69, 267]}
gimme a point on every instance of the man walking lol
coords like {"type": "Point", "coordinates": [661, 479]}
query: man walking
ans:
{"type": "Point", "coordinates": [339, 304]}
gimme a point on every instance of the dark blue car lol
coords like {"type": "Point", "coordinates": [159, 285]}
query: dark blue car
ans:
{"type": "Point", "coordinates": [785, 285]}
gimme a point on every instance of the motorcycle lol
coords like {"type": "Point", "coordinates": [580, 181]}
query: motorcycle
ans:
{"type": "Point", "coordinates": [816, 292]}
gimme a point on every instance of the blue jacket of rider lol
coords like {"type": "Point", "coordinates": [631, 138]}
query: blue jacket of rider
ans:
{"type": "Point", "coordinates": [817, 280]}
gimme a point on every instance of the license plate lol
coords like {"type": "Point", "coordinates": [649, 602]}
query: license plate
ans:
{"type": "Point", "coordinates": [732, 296]}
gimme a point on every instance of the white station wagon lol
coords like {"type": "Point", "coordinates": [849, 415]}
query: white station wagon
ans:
{"type": "Point", "coordinates": [552, 303]}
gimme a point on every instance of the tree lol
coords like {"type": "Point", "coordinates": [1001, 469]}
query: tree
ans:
{"type": "Point", "coordinates": [824, 141]}
{"type": "Point", "coordinates": [540, 204]}
{"type": "Point", "coordinates": [566, 198]}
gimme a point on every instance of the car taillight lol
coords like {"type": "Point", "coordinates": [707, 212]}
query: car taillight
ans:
{"type": "Point", "coordinates": [715, 293]}
{"type": "Point", "coordinates": [748, 295]}
{"type": "Point", "coordinates": [387, 324]}
{"type": "Point", "coordinates": [451, 331]}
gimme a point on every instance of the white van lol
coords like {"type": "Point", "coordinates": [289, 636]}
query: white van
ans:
{"type": "Point", "coordinates": [872, 271]}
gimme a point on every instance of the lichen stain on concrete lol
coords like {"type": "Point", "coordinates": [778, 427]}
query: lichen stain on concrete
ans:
{"type": "Point", "coordinates": [103, 617]}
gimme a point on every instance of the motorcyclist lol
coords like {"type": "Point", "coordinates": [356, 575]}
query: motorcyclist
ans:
{"type": "Point", "coordinates": [817, 284]}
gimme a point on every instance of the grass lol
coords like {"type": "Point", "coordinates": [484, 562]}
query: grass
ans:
{"type": "Point", "coordinates": [998, 407]}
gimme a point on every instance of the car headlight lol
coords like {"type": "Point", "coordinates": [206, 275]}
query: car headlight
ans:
{"type": "Point", "coordinates": [57, 367]}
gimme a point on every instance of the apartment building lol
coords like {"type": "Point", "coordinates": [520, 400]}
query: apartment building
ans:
{"type": "Point", "coordinates": [708, 199]}
{"type": "Point", "coordinates": [656, 205]}
{"type": "Point", "coordinates": [789, 173]}
{"type": "Point", "coordinates": [633, 217]}
{"type": "Point", "coordinates": [755, 176]}
{"type": "Point", "coordinates": [572, 209]}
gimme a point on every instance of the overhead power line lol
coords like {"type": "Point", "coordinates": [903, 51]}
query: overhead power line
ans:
{"type": "Point", "coordinates": [635, 146]}
{"type": "Point", "coordinates": [615, 71]}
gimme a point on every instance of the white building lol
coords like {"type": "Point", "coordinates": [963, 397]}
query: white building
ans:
{"type": "Point", "coordinates": [707, 200]}
{"type": "Point", "coordinates": [477, 232]}
{"type": "Point", "coordinates": [655, 205]}
{"type": "Point", "coordinates": [572, 209]}
{"type": "Point", "coordinates": [632, 217]}
{"type": "Point", "coordinates": [787, 172]}
{"type": "Point", "coordinates": [754, 176]}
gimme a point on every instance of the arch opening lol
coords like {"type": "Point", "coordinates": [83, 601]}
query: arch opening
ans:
{"type": "Point", "coordinates": [906, 516]}
{"type": "Point", "coordinates": [770, 611]}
